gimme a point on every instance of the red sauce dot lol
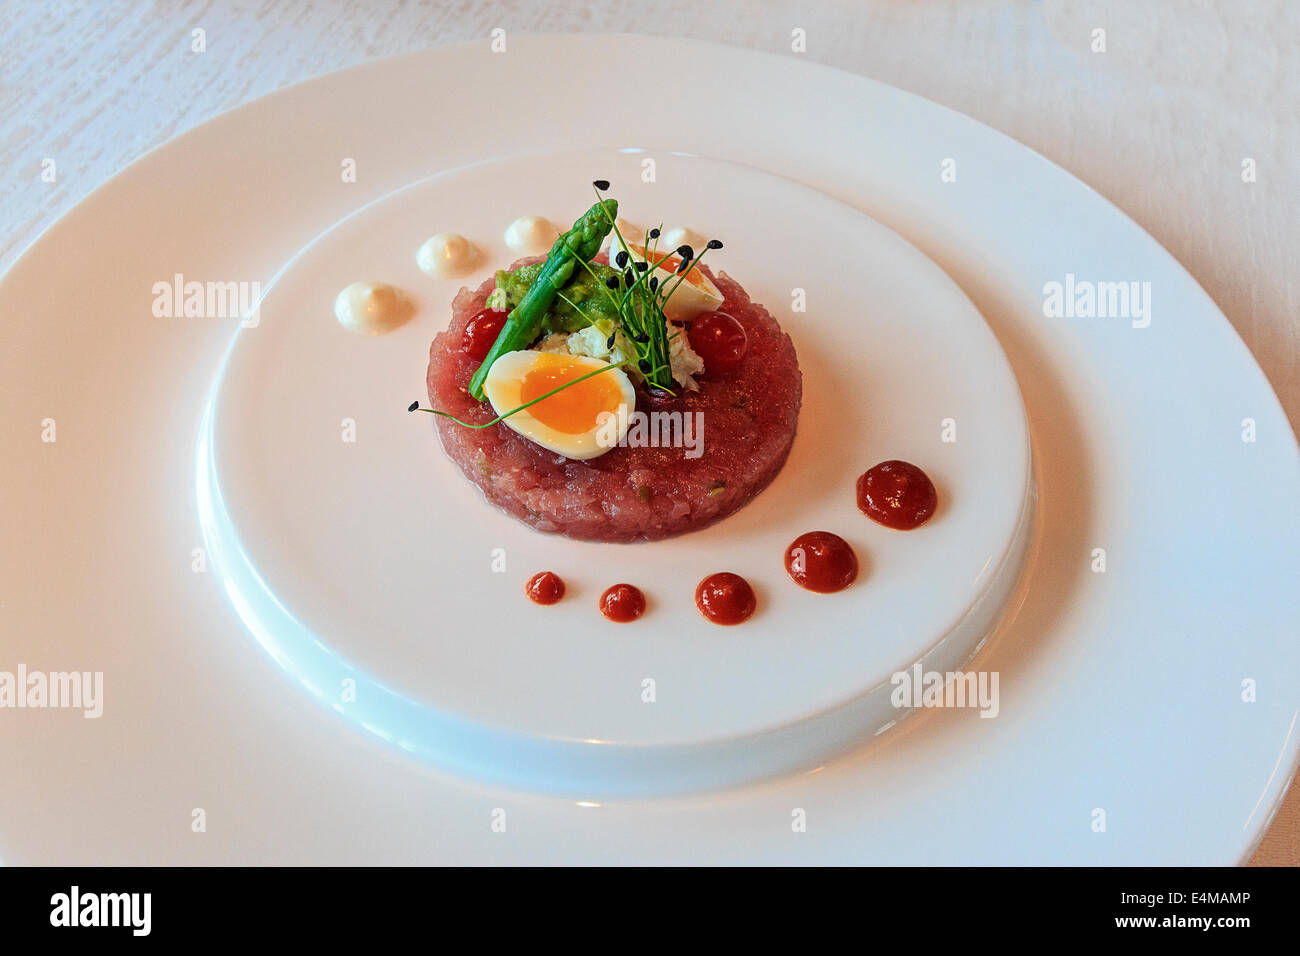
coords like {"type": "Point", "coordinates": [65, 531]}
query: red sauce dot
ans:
{"type": "Point", "coordinates": [897, 494]}
{"type": "Point", "coordinates": [821, 561]}
{"type": "Point", "coordinates": [481, 332]}
{"type": "Point", "coordinates": [718, 339]}
{"type": "Point", "coordinates": [622, 603]}
{"type": "Point", "coordinates": [546, 587]}
{"type": "Point", "coordinates": [725, 598]}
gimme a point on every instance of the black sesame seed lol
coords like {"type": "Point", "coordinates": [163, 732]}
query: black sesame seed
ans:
{"type": "Point", "coordinates": [612, 282]}
{"type": "Point", "coordinates": [601, 184]}
{"type": "Point", "coordinates": [686, 252]}
{"type": "Point", "coordinates": [654, 233]}
{"type": "Point", "coordinates": [609, 343]}
{"type": "Point", "coordinates": [654, 283]}
{"type": "Point", "coordinates": [628, 278]}
{"type": "Point", "coordinates": [683, 265]}
{"type": "Point", "coordinates": [413, 406]}
{"type": "Point", "coordinates": [643, 365]}
{"type": "Point", "coordinates": [642, 266]}
{"type": "Point", "coordinates": [643, 338]}
{"type": "Point", "coordinates": [715, 244]}
{"type": "Point", "coordinates": [620, 260]}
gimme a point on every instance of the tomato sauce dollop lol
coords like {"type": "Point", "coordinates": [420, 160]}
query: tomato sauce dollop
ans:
{"type": "Point", "coordinates": [725, 598]}
{"type": "Point", "coordinates": [622, 603]}
{"type": "Point", "coordinates": [821, 561]}
{"type": "Point", "coordinates": [547, 587]}
{"type": "Point", "coordinates": [897, 494]}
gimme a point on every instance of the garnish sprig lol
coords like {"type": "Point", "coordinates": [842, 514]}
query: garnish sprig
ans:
{"type": "Point", "coordinates": [638, 297]}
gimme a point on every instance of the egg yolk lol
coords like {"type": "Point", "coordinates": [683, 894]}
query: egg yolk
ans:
{"type": "Point", "coordinates": [576, 409]}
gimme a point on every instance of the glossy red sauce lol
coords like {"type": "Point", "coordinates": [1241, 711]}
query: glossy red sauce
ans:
{"type": "Point", "coordinates": [718, 339]}
{"type": "Point", "coordinates": [821, 561]}
{"type": "Point", "coordinates": [897, 494]}
{"type": "Point", "coordinates": [547, 587]}
{"type": "Point", "coordinates": [481, 332]}
{"type": "Point", "coordinates": [622, 603]}
{"type": "Point", "coordinates": [725, 598]}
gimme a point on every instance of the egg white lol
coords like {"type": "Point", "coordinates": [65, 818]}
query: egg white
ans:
{"type": "Point", "coordinates": [504, 386]}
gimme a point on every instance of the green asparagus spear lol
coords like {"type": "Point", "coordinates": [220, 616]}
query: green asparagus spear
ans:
{"type": "Point", "coordinates": [524, 322]}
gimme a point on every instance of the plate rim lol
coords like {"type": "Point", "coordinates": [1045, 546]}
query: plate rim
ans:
{"type": "Point", "coordinates": [68, 221]}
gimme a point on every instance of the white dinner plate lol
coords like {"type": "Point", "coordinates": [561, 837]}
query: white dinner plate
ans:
{"type": "Point", "coordinates": [1146, 710]}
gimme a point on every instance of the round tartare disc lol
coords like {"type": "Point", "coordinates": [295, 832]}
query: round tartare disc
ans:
{"type": "Point", "coordinates": [733, 434]}
{"type": "Point", "coordinates": [373, 572]}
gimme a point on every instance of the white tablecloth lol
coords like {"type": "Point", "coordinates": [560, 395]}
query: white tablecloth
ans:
{"type": "Point", "coordinates": [1161, 122]}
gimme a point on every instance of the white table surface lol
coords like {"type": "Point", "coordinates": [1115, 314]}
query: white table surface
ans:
{"type": "Point", "coordinates": [1160, 122]}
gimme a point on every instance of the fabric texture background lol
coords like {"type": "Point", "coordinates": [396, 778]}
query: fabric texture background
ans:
{"type": "Point", "coordinates": [1160, 123]}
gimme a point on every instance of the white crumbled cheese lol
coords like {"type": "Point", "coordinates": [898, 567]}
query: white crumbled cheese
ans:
{"type": "Point", "coordinates": [684, 360]}
{"type": "Point", "coordinates": [593, 342]}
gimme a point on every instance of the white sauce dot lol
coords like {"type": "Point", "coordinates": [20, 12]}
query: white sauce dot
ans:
{"type": "Point", "coordinates": [446, 254]}
{"type": "Point", "coordinates": [531, 235]}
{"type": "Point", "coordinates": [372, 308]}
